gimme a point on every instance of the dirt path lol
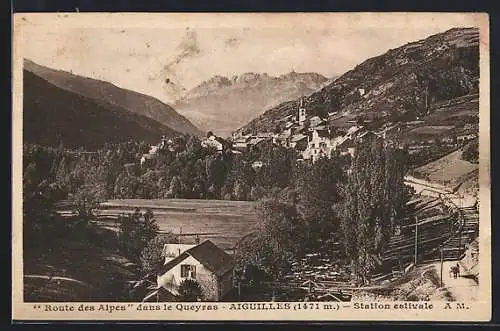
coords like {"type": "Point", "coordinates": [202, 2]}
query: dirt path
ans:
{"type": "Point", "coordinates": [461, 288]}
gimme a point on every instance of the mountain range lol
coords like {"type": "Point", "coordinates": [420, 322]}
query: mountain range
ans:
{"type": "Point", "coordinates": [223, 104]}
{"type": "Point", "coordinates": [80, 111]}
{"type": "Point", "coordinates": [406, 80]}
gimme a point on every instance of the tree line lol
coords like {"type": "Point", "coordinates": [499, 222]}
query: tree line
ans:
{"type": "Point", "coordinates": [183, 170]}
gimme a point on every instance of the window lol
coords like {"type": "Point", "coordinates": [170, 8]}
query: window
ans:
{"type": "Point", "coordinates": [188, 271]}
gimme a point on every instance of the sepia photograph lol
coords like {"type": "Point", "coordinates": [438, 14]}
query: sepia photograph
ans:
{"type": "Point", "coordinates": [295, 163]}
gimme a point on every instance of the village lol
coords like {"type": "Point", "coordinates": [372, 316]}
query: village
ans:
{"type": "Point", "coordinates": [313, 137]}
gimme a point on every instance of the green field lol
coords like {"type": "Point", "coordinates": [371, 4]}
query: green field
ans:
{"type": "Point", "coordinates": [223, 222]}
{"type": "Point", "coordinates": [431, 130]}
{"type": "Point", "coordinates": [449, 170]}
{"type": "Point", "coordinates": [454, 113]}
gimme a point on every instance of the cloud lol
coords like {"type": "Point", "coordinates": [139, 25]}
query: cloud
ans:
{"type": "Point", "coordinates": [187, 49]}
{"type": "Point", "coordinates": [232, 42]}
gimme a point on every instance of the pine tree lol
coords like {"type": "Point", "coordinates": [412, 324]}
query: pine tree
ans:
{"type": "Point", "coordinates": [319, 191]}
{"type": "Point", "coordinates": [151, 256]}
{"type": "Point", "coordinates": [277, 242]}
{"type": "Point", "coordinates": [375, 200]}
{"type": "Point", "coordinates": [175, 187]}
{"type": "Point", "coordinates": [190, 290]}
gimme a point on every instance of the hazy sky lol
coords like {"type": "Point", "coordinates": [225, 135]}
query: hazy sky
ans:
{"type": "Point", "coordinates": [162, 54]}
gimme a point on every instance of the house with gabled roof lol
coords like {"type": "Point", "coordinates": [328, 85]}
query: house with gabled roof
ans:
{"type": "Point", "coordinates": [299, 141]}
{"type": "Point", "coordinates": [320, 145]}
{"type": "Point", "coordinates": [216, 142]}
{"type": "Point", "coordinates": [206, 263]}
{"type": "Point", "coordinates": [348, 143]}
{"type": "Point", "coordinates": [316, 121]}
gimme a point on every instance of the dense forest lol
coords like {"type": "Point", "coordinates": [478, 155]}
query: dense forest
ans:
{"type": "Point", "coordinates": [184, 170]}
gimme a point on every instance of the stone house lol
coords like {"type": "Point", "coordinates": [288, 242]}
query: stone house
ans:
{"type": "Point", "coordinates": [206, 263]}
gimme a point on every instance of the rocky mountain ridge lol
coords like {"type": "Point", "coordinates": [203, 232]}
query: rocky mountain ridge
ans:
{"type": "Point", "coordinates": [222, 104]}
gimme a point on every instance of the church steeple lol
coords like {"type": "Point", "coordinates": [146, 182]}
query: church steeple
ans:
{"type": "Point", "coordinates": [302, 112]}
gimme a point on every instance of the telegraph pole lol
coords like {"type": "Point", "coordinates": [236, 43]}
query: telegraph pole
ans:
{"type": "Point", "coordinates": [416, 241]}
{"type": "Point", "coordinates": [426, 98]}
{"type": "Point", "coordinates": [441, 249]}
{"type": "Point", "coordinates": [442, 177]}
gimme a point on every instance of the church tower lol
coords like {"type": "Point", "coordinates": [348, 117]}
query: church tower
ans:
{"type": "Point", "coordinates": [302, 112]}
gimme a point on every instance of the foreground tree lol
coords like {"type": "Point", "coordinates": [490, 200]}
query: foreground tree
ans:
{"type": "Point", "coordinates": [190, 290]}
{"type": "Point", "coordinates": [374, 202]}
{"type": "Point", "coordinates": [152, 255]}
{"type": "Point", "coordinates": [136, 231]}
{"type": "Point", "coordinates": [89, 186]}
{"type": "Point", "coordinates": [319, 191]}
{"type": "Point", "coordinates": [277, 242]}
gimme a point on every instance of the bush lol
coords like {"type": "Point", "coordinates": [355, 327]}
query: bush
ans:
{"type": "Point", "coordinates": [151, 256]}
{"type": "Point", "coordinates": [190, 290]}
{"type": "Point", "coordinates": [471, 152]}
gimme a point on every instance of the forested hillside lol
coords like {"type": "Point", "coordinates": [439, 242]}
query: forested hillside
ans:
{"type": "Point", "coordinates": [53, 116]}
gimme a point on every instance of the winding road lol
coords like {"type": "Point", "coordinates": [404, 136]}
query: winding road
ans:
{"type": "Point", "coordinates": [461, 288]}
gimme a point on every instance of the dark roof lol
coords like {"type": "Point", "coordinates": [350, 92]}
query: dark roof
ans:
{"type": "Point", "coordinates": [172, 263]}
{"type": "Point", "coordinates": [212, 257]}
{"type": "Point", "coordinates": [208, 254]}
{"type": "Point", "coordinates": [323, 133]}
{"type": "Point", "coordinates": [349, 142]}
{"type": "Point", "coordinates": [298, 137]}
{"type": "Point", "coordinates": [221, 140]}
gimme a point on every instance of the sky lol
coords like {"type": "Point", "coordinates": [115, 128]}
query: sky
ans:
{"type": "Point", "coordinates": [164, 55]}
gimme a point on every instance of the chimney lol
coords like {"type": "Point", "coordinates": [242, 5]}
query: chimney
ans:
{"type": "Point", "coordinates": [427, 97]}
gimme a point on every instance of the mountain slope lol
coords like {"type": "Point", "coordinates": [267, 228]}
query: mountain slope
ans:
{"type": "Point", "coordinates": [223, 104]}
{"type": "Point", "coordinates": [405, 80]}
{"type": "Point", "coordinates": [105, 93]}
{"type": "Point", "coordinates": [52, 115]}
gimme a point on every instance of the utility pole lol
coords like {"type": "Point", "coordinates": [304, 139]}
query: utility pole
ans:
{"type": "Point", "coordinates": [442, 176]}
{"type": "Point", "coordinates": [426, 98]}
{"type": "Point", "coordinates": [416, 241]}
{"type": "Point", "coordinates": [441, 249]}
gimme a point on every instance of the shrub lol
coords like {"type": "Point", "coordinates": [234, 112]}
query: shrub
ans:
{"type": "Point", "coordinates": [190, 290]}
